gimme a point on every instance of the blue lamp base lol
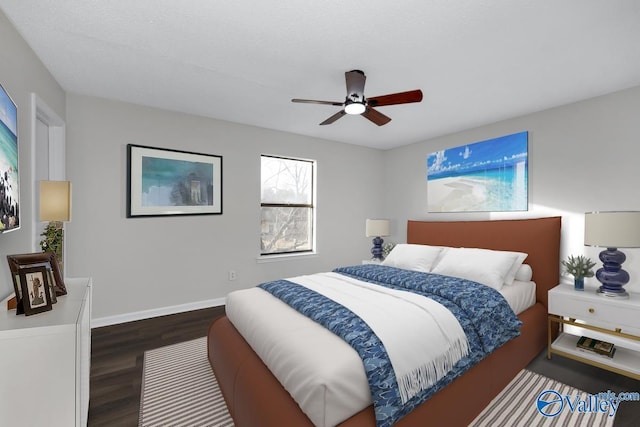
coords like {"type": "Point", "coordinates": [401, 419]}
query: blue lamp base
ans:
{"type": "Point", "coordinates": [376, 251]}
{"type": "Point", "coordinates": [611, 275]}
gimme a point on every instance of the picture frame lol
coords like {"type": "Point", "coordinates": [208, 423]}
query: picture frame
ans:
{"type": "Point", "coordinates": [484, 176]}
{"type": "Point", "coordinates": [18, 287]}
{"type": "Point", "coordinates": [9, 162]}
{"type": "Point", "coordinates": [37, 259]}
{"type": "Point", "coordinates": [34, 283]}
{"type": "Point", "coordinates": [166, 182]}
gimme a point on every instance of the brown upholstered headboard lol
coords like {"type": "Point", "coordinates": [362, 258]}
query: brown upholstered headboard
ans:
{"type": "Point", "coordinates": [540, 238]}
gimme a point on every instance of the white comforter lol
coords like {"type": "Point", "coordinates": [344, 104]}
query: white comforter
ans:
{"type": "Point", "coordinates": [323, 374]}
{"type": "Point", "coordinates": [423, 343]}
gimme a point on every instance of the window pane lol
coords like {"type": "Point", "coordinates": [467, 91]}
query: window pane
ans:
{"type": "Point", "coordinates": [286, 181]}
{"type": "Point", "coordinates": [286, 230]}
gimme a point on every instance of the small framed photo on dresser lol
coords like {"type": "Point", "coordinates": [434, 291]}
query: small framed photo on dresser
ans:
{"type": "Point", "coordinates": [35, 290]}
{"type": "Point", "coordinates": [38, 259]}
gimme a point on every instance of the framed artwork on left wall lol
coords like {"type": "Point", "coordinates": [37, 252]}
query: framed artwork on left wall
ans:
{"type": "Point", "coordinates": [164, 182]}
{"type": "Point", "coordinates": [9, 182]}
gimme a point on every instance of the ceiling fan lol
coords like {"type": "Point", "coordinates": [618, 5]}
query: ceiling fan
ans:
{"type": "Point", "coordinates": [356, 103]}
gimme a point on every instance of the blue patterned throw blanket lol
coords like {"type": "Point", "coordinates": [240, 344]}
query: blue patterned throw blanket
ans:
{"type": "Point", "coordinates": [485, 317]}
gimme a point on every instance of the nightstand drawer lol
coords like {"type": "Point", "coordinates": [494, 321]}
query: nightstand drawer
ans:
{"type": "Point", "coordinates": [600, 313]}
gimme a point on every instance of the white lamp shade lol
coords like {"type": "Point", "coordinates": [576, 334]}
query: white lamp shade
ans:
{"type": "Point", "coordinates": [377, 227]}
{"type": "Point", "coordinates": [55, 201]}
{"type": "Point", "coordinates": [612, 229]}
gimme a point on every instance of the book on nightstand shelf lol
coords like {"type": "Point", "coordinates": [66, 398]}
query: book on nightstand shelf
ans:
{"type": "Point", "coordinates": [596, 346]}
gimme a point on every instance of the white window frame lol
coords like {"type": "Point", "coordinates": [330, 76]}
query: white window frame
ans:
{"type": "Point", "coordinates": [296, 254]}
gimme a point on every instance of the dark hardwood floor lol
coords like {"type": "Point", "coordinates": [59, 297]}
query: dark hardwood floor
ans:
{"type": "Point", "coordinates": [117, 356]}
{"type": "Point", "coordinates": [116, 361]}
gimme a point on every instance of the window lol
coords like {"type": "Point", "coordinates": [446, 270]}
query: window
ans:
{"type": "Point", "coordinates": [287, 205]}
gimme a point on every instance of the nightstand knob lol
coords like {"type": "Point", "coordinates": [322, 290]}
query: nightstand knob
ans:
{"type": "Point", "coordinates": [592, 310]}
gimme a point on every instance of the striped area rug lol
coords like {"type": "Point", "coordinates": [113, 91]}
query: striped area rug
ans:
{"type": "Point", "coordinates": [516, 405]}
{"type": "Point", "coordinates": [180, 390]}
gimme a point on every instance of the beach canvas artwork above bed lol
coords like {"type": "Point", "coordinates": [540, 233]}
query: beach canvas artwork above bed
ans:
{"type": "Point", "coordinates": [484, 176]}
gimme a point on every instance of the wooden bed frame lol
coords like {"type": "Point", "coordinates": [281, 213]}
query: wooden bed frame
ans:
{"type": "Point", "coordinates": [256, 398]}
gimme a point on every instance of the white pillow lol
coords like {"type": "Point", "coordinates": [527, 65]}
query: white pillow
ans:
{"type": "Point", "coordinates": [511, 275]}
{"type": "Point", "coordinates": [524, 274]}
{"type": "Point", "coordinates": [484, 266]}
{"type": "Point", "coordinates": [412, 257]}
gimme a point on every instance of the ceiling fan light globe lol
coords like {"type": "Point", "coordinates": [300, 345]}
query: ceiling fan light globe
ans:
{"type": "Point", "coordinates": [354, 108]}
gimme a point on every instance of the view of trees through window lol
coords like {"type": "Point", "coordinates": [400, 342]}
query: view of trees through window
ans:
{"type": "Point", "coordinates": [286, 205]}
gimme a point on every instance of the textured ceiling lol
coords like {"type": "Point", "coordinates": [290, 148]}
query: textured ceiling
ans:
{"type": "Point", "coordinates": [476, 61]}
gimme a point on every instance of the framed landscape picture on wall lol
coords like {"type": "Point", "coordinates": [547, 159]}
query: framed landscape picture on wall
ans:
{"type": "Point", "coordinates": [163, 182]}
{"type": "Point", "coordinates": [484, 176]}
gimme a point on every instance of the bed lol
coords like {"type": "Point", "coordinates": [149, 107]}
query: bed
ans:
{"type": "Point", "coordinates": [255, 397]}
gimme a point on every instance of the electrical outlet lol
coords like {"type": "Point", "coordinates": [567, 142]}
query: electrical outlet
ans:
{"type": "Point", "coordinates": [232, 275]}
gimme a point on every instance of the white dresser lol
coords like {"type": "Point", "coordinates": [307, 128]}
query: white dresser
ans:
{"type": "Point", "coordinates": [45, 361]}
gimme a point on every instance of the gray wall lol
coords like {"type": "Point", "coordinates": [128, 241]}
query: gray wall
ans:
{"type": "Point", "coordinates": [141, 264]}
{"type": "Point", "coordinates": [22, 73]}
{"type": "Point", "coordinates": [582, 157]}
{"type": "Point", "coordinates": [154, 264]}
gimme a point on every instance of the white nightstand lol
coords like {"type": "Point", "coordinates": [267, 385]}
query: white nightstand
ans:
{"type": "Point", "coordinates": [604, 318]}
{"type": "Point", "coordinates": [370, 261]}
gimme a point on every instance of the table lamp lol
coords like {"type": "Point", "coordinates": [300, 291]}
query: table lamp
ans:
{"type": "Point", "coordinates": [55, 207]}
{"type": "Point", "coordinates": [377, 228]}
{"type": "Point", "coordinates": [612, 230]}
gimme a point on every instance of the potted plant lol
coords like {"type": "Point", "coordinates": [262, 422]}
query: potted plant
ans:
{"type": "Point", "coordinates": [579, 267]}
{"type": "Point", "coordinates": [52, 240]}
{"type": "Point", "coordinates": [386, 249]}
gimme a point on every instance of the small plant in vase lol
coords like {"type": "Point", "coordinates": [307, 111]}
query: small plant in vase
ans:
{"type": "Point", "coordinates": [52, 240]}
{"type": "Point", "coordinates": [386, 249]}
{"type": "Point", "coordinates": [579, 267]}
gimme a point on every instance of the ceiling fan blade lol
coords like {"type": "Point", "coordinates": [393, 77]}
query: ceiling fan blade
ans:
{"type": "Point", "coordinates": [333, 118]}
{"type": "Point", "coordinates": [376, 116]}
{"type": "Point", "coordinates": [313, 101]}
{"type": "Point", "coordinates": [355, 80]}
{"type": "Point", "coordinates": [396, 98]}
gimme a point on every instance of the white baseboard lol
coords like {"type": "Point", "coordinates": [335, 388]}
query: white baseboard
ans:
{"type": "Point", "coordinates": [156, 312]}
